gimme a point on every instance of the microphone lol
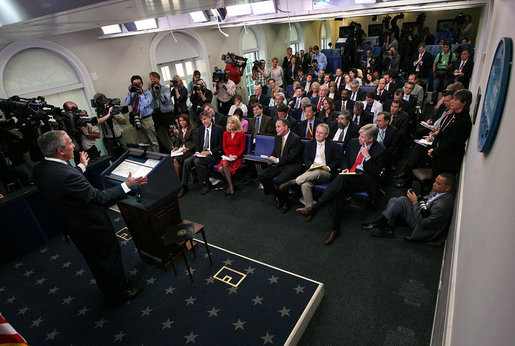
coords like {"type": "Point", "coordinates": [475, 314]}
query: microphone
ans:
{"type": "Point", "coordinates": [138, 145]}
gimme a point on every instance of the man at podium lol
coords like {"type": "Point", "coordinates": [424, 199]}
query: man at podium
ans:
{"type": "Point", "coordinates": [80, 210]}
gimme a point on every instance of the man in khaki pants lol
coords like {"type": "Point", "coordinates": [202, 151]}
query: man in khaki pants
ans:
{"type": "Point", "coordinates": [321, 161]}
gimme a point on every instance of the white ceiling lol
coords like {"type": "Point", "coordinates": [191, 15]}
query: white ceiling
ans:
{"type": "Point", "coordinates": [24, 19]}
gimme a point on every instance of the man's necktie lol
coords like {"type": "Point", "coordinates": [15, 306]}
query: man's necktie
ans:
{"type": "Point", "coordinates": [356, 119]}
{"type": "Point", "coordinates": [340, 138]}
{"type": "Point", "coordinates": [206, 139]}
{"type": "Point", "coordinates": [297, 104]}
{"type": "Point", "coordinates": [461, 66]}
{"type": "Point", "coordinates": [320, 100]}
{"type": "Point", "coordinates": [310, 131]}
{"type": "Point", "coordinates": [136, 104]}
{"type": "Point", "coordinates": [258, 124]}
{"type": "Point", "coordinates": [358, 161]}
{"type": "Point", "coordinates": [368, 108]}
{"type": "Point", "coordinates": [282, 145]}
{"type": "Point", "coordinates": [322, 153]}
{"type": "Point", "coordinates": [381, 136]}
{"type": "Point", "coordinates": [353, 98]}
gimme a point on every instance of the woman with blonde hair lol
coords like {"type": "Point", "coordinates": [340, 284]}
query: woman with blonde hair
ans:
{"type": "Point", "coordinates": [315, 87]}
{"type": "Point", "coordinates": [234, 141]}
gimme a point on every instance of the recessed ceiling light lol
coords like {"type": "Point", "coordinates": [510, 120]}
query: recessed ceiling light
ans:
{"type": "Point", "coordinates": [111, 29]}
{"type": "Point", "coordinates": [238, 10]}
{"type": "Point", "coordinates": [263, 7]}
{"type": "Point", "coordinates": [146, 24]}
{"type": "Point", "coordinates": [364, 2]}
{"type": "Point", "coordinates": [198, 16]}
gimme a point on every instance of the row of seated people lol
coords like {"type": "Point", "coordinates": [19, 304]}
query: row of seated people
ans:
{"type": "Point", "coordinates": [361, 163]}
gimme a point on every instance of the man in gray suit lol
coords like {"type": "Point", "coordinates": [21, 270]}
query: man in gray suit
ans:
{"type": "Point", "coordinates": [428, 218]}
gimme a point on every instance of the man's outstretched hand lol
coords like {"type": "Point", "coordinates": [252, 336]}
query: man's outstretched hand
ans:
{"type": "Point", "coordinates": [132, 182]}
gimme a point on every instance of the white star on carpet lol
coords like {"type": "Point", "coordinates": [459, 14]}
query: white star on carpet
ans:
{"type": "Point", "coordinates": [18, 265]}
{"type": "Point", "coordinates": [66, 264]}
{"type": "Point", "coordinates": [23, 310]}
{"type": "Point", "coordinates": [124, 242]}
{"type": "Point", "coordinates": [167, 324]}
{"type": "Point", "coordinates": [170, 290]}
{"type": "Point", "coordinates": [210, 280]}
{"type": "Point", "coordinates": [51, 336]}
{"type": "Point", "coordinates": [233, 290]}
{"type": "Point", "coordinates": [133, 272]}
{"type": "Point", "coordinates": [54, 257]}
{"type": "Point", "coordinates": [227, 262]}
{"type": "Point", "coordinates": [190, 300]}
{"type": "Point", "coordinates": [83, 311]}
{"type": "Point", "coordinates": [80, 272]}
{"type": "Point", "coordinates": [273, 279]}
{"type": "Point", "coordinates": [119, 336]}
{"type": "Point", "coordinates": [206, 255]}
{"type": "Point", "coordinates": [117, 219]}
{"type": "Point", "coordinates": [151, 281]}
{"type": "Point", "coordinates": [267, 338]}
{"type": "Point", "coordinates": [92, 282]}
{"type": "Point", "coordinates": [11, 300]}
{"type": "Point", "coordinates": [53, 290]}
{"type": "Point", "coordinates": [37, 322]}
{"type": "Point", "coordinates": [28, 273]}
{"type": "Point", "coordinates": [146, 311]}
{"type": "Point", "coordinates": [190, 338]}
{"type": "Point", "coordinates": [68, 300]}
{"type": "Point", "coordinates": [213, 312]}
{"type": "Point", "coordinates": [192, 271]}
{"type": "Point", "coordinates": [284, 311]}
{"type": "Point", "coordinates": [299, 289]}
{"type": "Point", "coordinates": [40, 281]}
{"type": "Point", "coordinates": [2, 289]}
{"type": "Point", "coordinates": [43, 250]}
{"type": "Point", "coordinates": [100, 323]}
{"type": "Point", "coordinates": [239, 324]}
{"type": "Point", "coordinates": [250, 270]}
{"type": "Point", "coordinates": [258, 300]}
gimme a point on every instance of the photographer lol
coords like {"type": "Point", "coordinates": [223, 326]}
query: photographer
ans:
{"type": "Point", "coordinates": [259, 76]}
{"type": "Point", "coordinates": [224, 92]}
{"type": "Point", "coordinates": [71, 126]}
{"type": "Point", "coordinates": [199, 96]}
{"type": "Point", "coordinates": [193, 81]}
{"type": "Point", "coordinates": [391, 60]}
{"type": "Point", "coordinates": [110, 124]}
{"type": "Point", "coordinates": [179, 94]}
{"type": "Point", "coordinates": [235, 70]}
{"type": "Point", "coordinates": [163, 110]}
{"type": "Point", "coordinates": [141, 102]}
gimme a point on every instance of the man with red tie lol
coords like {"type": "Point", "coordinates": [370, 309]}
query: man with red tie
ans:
{"type": "Point", "coordinates": [306, 128]}
{"type": "Point", "coordinates": [361, 166]}
{"type": "Point", "coordinates": [318, 101]}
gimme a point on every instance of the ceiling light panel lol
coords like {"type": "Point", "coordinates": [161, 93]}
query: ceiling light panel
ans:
{"type": "Point", "coordinates": [263, 7]}
{"type": "Point", "coordinates": [198, 16]}
{"type": "Point", "coordinates": [111, 29]}
{"type": "Point", "coordinates": [146, 24]}
{"type": "Point", "coordinates": [238, 10]}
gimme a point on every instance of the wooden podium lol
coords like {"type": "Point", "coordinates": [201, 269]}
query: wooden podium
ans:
{"type": "Point", "coordinates": [151, 207]}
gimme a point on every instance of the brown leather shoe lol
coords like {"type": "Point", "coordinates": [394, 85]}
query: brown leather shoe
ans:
{"type": "Point", "coordinates": [305, 211]}
{"type": "Point", "coordinates": [183, 191]}
{"type": "Point", "coordinates": [331, 237]}
{"type": "Point", "coordinates": [205, 189]}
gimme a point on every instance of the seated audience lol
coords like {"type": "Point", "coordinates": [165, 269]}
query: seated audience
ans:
{"type": "Point", "coordinates": [344, 102]}
{"type": "Point", "coordinates": [328, 113]}
{"type": "Point", "coordinates": [313, 93]}
{"type": "Point", "coordinates": [356, 93]}
{"type": "Point", "coordinates": [186, 142]}
{"type": "Point", "coordinates": [372, 105]}
{"type": "Point", "coordinates": [261, 98]}
{"type": "Point", "coordinates": [260, 123]}
{"type": "Point", "coordinates": [305, 129]}
{"type": "Point", "coordinates": [294, 102]}
{"type": "Point", "coordinates": [387, 135]}
{"type": "Point", "coordinates": [343, 129]}
{"type": "Point", "coordinates": [400, 120]}
{"type": "Point", "coordinates": [238, 104]}
{"type": "Point", "coordinates": [353, 74]}
{"type": "Point", "coordinates": [418, 90]}
{"type": "Point", "coordinates": [298, 114]}
{"type": "Point", "coordinates": [216, 118]}
{"type": "Point", "coordinates": [282, 113]}
{"type": "Point", "coordinates": [234, 147]}
{"type": "Point", "coordinates": [322, 95]}
{"type": "Point", "coordinates": [244, 122]}
{"type": "Point", "coordinates": [361, 116]}
{"type": "Point", "coordinates": [370, 81]}
{"type": "Point", "coordinates": [334, 93]}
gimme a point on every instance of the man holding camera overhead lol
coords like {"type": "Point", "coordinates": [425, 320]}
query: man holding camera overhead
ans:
{"type": "Point", "coordinates": [141, 114]}
{"type": "Point", "coordinates": [224, 91]}
{"type": "Point", "coordinates": [163, 110]}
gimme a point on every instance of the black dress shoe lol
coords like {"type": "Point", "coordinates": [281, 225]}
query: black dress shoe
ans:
{"type": "Point", "coordinates": [278, 203]}
{"type": "Point", "coordinates": [371, 225]}
{"type": "Point", "coordinates": [382, 233]}
{"type": "Point", "coordinates": [331, 237]}
{"type": "Point", "coordinates": [285, 208]}
{"type": "Point", "coordinates": [401, 185]}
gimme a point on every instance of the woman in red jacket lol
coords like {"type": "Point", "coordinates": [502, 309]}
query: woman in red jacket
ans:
{"type": "Point", "coordinates": [234, 145]}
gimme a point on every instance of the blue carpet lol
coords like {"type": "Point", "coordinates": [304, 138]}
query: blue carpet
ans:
{"type": "Point", "coordinates": [49, 296]}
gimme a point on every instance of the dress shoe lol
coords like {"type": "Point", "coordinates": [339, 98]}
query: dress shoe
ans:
{"type": "Point", "coordinates": [285, 208]}
{"type": "Point", "coordinates": [285, 186]}
{"type": "Point", "coordinates": [305, 211]}
{"type": "Point", "coordinates": [371, 225]}
{"type": "Point", "coordinates": [183, 191]}
{"type": "Point", "coordinates": [401, 175]}
{"type": "Point", "coordinates": [401, 185]}
{"type": "Point", "coordinates": [331, 237]}
{"type": "Point", "coordinates": [278, 203]}
{"type": "Point", "coordinates": [385, 232]}
{"type": "Point", "coordinates": [205, 189]}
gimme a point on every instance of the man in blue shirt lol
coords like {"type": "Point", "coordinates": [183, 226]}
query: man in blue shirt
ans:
{"type": "Point", "coordinates": [141, 102]}
{"type": "Point", "coordinates": [320, 57]}
{"type": "Point", "coordinates": [163, 110]}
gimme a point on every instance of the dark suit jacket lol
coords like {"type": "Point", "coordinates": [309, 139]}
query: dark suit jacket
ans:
{"type": "Point", "coordinates": [304, 61]}
{"type": "Point", "coordinates": [449, 144]}
{"type": "Point", "coordinates": [314, 102]}
{"type": "Point", "coordinates": [360, 95]}
{"type": "Point", "coordinates": [266, 124]}
{"type": "Point", "coordinates": [263, 99]}
{"type": "Point", "coordinates": [390, 139]}
{"type": "Point", "coordinates": [401, 122]}
{"type": "Point", "coordinates": [78, 206]}
{"type": "Point", "coordinates": [371, 168]}
{"type": "Point", "coordinates": [427, 63]}
{"type": "Point", "coordinates": [220, 119]}
{"type": "Point", "coordinates": [467, 70]}
{"type": "Point", "coordinates": [292, 102]}
{"type": "Point", "coordinates": [352, 132]}
{"type": "Point", "coordinates": [332, 116]}
{"type": "Point", "coordinates": [189, 140]}
{"type": "Point", "coordinates": [216, 139]}
{"type": "Point", "coordinates": [332, 155]}
{"type": "Point", "coordinates": [385, 96]}
{"type": "Point", "coordinates": [302, 127]}
{"type": "Point", "coordinates": [290, 76]}
{"type": "Point", "coordinates": [365, 118]}
{"type": "Point", "coordinates": [292, 152]}
{"type": "Point", "coordinates": [433, 226]}
{"type": "Point", "coordinates": [292, 124]}
{"type": "Point", "coordinates": [349, 105]}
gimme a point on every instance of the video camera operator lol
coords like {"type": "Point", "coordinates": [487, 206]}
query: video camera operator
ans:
{"type": "Point", "coordinates": [235, 67]}
{"type": "Point", "coordinates": [163, 110]}
{"type": "Point", "coordinates": [110, 125]}
{"type": "Point", "coordinates": [13, 167]}
{"type": "Point", "coordinates": [224, 91]}
{"type": "Point", "coordinates": [259, 76]}
{"type": "Point", "coordinates": [199, 96]}
{"type": "Point", "coordinates": [141, 115]}
{"type": "Point", "coordinates": [72, 128]}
